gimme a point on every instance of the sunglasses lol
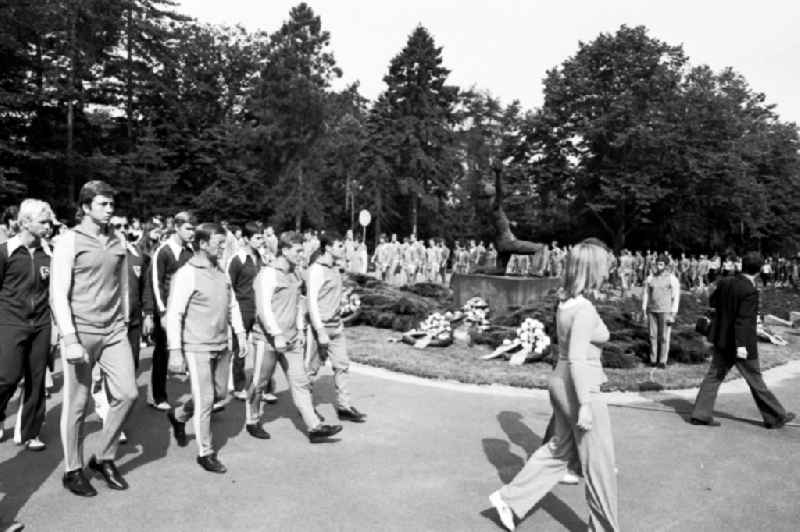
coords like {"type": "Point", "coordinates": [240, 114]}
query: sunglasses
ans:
{"type": "Point", "coordinates": [120, 226]}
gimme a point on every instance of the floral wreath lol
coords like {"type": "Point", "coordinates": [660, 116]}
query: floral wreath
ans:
{"type": "Point", "coordinates": [531, 342]}
{"type": "Point", "coordinates": [350, 303]}
{"type": "Point", "coordinates": [476, 311]}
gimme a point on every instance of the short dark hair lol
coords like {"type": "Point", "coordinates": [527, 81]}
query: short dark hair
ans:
{"type": "Point", "coordinates": [91, 189]}
{"type": "Point", "coordinates": [250, 228]}
{"type": "Point", "coordinates": [752, 262]}
{"type": "Point", "coordinates": [184, 217]}
{"type": "Point", "coordinates": [289, 239]}
{"type": "Point", "coordinates": [204, 232]}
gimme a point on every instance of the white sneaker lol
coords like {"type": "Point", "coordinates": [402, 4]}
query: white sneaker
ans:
{"type": "Point", "coordinates": [270, 398]}
{"type": "Point", "coordinates": [570, 478]}
{"type": "Point", "coordinates": [35, 444]}
{"type": "Point", "coordinates": [239, 394]}
{"type": "Point", "coordinates": [503, 510]}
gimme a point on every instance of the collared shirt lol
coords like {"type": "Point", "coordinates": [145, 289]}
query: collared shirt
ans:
{"type": "Point", "coordinates": [325, 294]}
{"type": "Point", "coordinates": [242, 269]}
{"type": "Point", "coordinates": [165, 262]}
{"type": "Point", "coordinates": [201, 304]}
{"type": "Point", "coordinates": [277, 291]}
{"type": "Point", "coordinates": [88, 283]}
{"type": "Point", "coordinates": [24, 284]}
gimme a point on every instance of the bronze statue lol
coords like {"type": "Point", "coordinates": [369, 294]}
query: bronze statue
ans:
{"type": "Point", "coordinates": [506, 243]}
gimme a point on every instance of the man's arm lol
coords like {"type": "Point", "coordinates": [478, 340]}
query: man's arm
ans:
{"type": "Point", "coordinates": [124, 287]}
{"type": "Point", "coordinates": [676, 295]}
{"type": "Point", "coordinates": [264, 287]}
{"type": "Point", "coordinates": [179, 296]}
{"type": "Point", "coordinates": [316, 277]}
{"type": "Point", "coordinates": [158, 276]}
{"type": "Point", "coordinates": [60, 285]}
{"type": "Point", "coordinates": [645, 294]}
{"type": "Point", "coordinates": [745, 322]}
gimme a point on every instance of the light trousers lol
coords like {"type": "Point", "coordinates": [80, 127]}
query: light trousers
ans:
{"type": "Point", "coordinates": [112, 353]}
{"type": "Point", "coordinates": [546, 467]}
{"type": "Point", "coordinates": [660, 332]}
{"type": "Point", "coordinates": [208, 376]}
{"type": "Point", "coordinates": [292, 363]}
{"type": "Point", "coordinates": [336, 351]}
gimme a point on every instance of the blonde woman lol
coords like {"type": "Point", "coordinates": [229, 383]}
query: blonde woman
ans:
{"type": "Point", "coordinates": [581, 423]}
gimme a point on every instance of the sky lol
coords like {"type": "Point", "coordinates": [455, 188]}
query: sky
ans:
{"type": "Point", "coordinates": [507, 46]}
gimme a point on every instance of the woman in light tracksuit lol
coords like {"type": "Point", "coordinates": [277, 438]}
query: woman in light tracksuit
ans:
{"type": "Point", "coordinates": [582, 425]}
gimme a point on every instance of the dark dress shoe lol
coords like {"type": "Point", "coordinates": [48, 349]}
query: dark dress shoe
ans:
{"type": "Point", "coordinates": [179, 428]}
{"type": "Point", "coordinates": [211, 464]}
{"type": "Point", "coordinates": [708, 423]}
{"type": "Point", "coordinates": [257, 431]}
{"type": "Point", "coordinates": [786, 419]}
{"type": "Point", "coordinates": [323, 432]}
{"type": "Point", "coordinates": [351, 414]}
{"type": "Point", "coordinates": [661, 365]}
{"type": "Point", "coordinates": [76, 482]}
{"type": "Point", "coordinates": [109, 472]}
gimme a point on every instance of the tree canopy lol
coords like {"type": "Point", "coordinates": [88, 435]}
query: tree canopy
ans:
{"type": "Point", "coordinates": [633, 142]}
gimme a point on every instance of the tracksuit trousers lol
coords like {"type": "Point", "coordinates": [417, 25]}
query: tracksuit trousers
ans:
{"type": "Point", "coordinates": [23, 353]}
{"type": "Point", "coordinates": [660, 332]}
{"type": "Point", "coordinates": [293, 366]}
{"type": "Point", "coordinates": [208, 376]}
{"type": "Point", "coordinates": [546, 467]}
{"type": "Point", "coordinates": [337, 353]}
{"type": "Point", "coordinates": [158, 373]}
{"type": "Point", "coordinates": [112, 352]}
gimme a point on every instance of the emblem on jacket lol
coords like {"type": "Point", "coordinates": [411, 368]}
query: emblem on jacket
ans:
{"type": "Point", "coordinates": [137, 270]}
{"type": "Point", "coordinates": [44, 272]}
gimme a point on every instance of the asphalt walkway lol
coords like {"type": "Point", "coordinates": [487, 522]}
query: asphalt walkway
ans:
{"type": "Point", "coordinates": [426, 460]}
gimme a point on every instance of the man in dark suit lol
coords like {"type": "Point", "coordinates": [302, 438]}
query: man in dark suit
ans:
{"type": "Point", "coordinates": [733, 334]}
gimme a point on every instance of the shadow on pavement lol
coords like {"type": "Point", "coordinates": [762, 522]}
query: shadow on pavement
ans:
{"type": "Point", "coordinates": [148, 434]}
{"type": "Point", "coordinates": [683, 407]}
{"type": "Point", "coordinates": [23, 474]}
{"type": "Point", "coordinates": [508, 464]}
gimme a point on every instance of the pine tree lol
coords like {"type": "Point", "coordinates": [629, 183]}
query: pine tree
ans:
{"type": "Point", "coordinates": [420, 105]}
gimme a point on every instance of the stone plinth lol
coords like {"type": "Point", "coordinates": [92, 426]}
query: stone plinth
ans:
{"type": "Point", "coordinates": [500, 291]}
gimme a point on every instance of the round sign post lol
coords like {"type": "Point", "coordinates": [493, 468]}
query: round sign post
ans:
{"type": "Point", "coordinates": [364, 219]}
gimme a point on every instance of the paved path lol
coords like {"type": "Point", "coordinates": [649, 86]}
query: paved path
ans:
{"type": "Point", "coordinates": [426, 460]}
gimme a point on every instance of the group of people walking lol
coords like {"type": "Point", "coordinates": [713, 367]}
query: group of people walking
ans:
{"type": "Point", "coordinates": [94, 294]}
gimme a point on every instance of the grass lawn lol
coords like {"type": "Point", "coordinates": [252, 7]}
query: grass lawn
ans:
{"type": "Point", "coordinates": [371, 346]}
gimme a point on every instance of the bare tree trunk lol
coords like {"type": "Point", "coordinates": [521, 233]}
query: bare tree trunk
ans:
{"type": "Point", "coordinates": [71, 94]}
{"type": "Point", "coordinates": [298, 216]}
{"type": "Point", "coordinates": [414, 213]}
{"type": "Point", "coordinates": [129, 79]}
{"type": "Point", "coordinates": [378, 212]}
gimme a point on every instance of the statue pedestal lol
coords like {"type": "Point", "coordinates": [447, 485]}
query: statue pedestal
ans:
{"type": "Point", "coordinates": [500, 291]}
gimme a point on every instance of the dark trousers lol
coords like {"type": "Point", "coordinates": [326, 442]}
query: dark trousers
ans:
{"type": "Point", "coordinates": [135, 339]}
{"type": "Point", "coordinates": [721, 364]}
{"type": "Point", "coordinates": [23, 353]}
{"type": "Point", "coordinates": [237, 367]}
{"type": "Point", "coordinates": [158, 373]}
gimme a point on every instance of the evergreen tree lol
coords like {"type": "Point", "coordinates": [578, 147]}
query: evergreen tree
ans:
{"type": "Point", "coordinates": [420, 106]}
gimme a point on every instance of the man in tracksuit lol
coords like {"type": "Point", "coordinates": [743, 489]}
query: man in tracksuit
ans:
{"type": "Point", "coordinates": [89, 301]}
{"type": "Point", "coordinates": [137, 273]}
{"type": "Point", "coordinates": [170, 256]}
{"type": "Point", "coordinates": [325, 337]}
{"type": "Point", "coordinates": [278, 338]}
{"type": "Point", "coordinates": [25, 332]}
{"type": "Point", "coordinates": [201, 305]}
{"type": "Point", "coordinates": [242, 269]}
